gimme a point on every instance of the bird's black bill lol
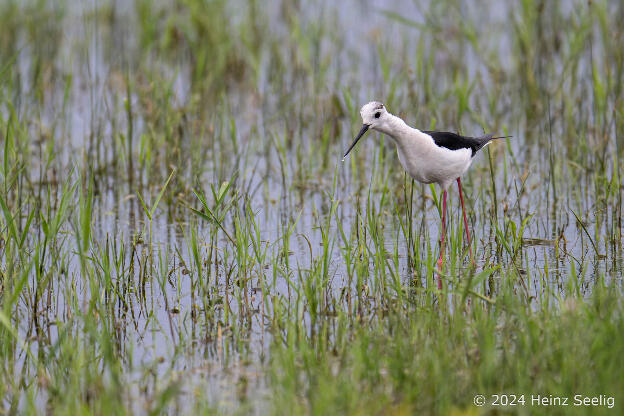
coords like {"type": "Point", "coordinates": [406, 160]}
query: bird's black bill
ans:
{"type": "Point", "coordinates": [359, 136]}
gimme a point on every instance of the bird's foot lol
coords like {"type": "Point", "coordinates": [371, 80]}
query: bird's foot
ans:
{"type": "Point", "coordinates": [440, 263]}
{"type": "Point", "coordinates": [473, 261]}
{"type": "Point", "coordinates": [470, 255]}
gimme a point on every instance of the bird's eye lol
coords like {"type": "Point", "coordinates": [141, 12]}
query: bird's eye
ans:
{"type": "Point", "coordinates": [377, 114]}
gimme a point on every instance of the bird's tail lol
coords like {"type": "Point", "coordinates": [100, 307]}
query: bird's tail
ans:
{"type": "Point", "coordinates": [489, 137]}
{"type": "Point", "coordinates": [486, 139]}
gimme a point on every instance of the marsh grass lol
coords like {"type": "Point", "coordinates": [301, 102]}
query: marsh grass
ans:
{"type": "Point", "coordinates": [178, 235]}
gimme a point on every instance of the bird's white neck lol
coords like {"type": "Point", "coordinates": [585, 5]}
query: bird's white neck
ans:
{"type": "Point", "coordinates": [399, 131]}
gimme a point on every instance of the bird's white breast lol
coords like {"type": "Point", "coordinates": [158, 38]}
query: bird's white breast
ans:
{"type": "Point", "coordinates": [426, 162]}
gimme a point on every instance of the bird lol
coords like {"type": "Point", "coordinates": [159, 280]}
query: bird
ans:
{"type": "Point", "coordinates": [427, 156]}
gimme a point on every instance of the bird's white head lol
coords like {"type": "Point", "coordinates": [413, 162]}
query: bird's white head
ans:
{"type": "Point", "coordinates": [374, 116]}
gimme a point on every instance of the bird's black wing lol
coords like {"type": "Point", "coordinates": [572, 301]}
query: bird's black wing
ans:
{"type": "Point", "coordinates": [454, 141]}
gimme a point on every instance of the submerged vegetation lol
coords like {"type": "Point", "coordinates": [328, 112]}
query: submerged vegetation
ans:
{"type": "Point", "coordinates": [178, 234]}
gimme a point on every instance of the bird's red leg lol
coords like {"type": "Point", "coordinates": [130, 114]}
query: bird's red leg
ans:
{"type": "Point", "coordinates": [443, 236]}
{"type": "Point", "coordinates": [461, 198]}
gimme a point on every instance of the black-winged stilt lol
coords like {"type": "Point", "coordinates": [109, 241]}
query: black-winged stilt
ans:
{"type": "Point", "coordinates": [427, 156]}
